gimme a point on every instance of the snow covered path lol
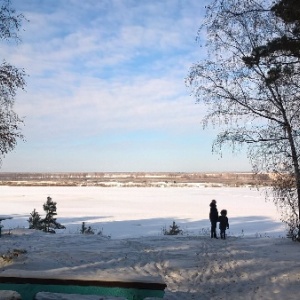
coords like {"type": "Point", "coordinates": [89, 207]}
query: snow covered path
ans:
{"type": "Point", "coordinates": [193, 267]}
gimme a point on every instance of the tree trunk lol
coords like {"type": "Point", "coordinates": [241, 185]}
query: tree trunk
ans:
{"type": "Point", "coordinates": [296, 170]}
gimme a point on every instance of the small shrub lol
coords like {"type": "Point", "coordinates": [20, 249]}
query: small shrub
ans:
{"type": "Point", "coordinates": [293, 234]}
{"type": "Point", "coordinates": [103, 235]}
{"type": "Point", "coordinates": [49, 223]}
{"type": "Point", "coordinates": [35, 220]}
{"type": "Point", "coordinates": [173, 230]}
{"type": "Point", "coordinates": [10, 255]}
{"type": "Point", "coordinates": [86, 230]}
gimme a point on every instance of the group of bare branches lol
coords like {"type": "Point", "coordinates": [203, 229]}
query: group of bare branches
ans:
{"type": "Point", "coordinates": [250, 81]}
{"type": "Point", "coordinates": [11, 80]}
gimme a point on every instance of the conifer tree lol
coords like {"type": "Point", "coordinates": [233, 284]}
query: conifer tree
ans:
{"type": "Point", "coordinates": [34, 220]}
{"type": "Point", "coordinates": [49, 223]}
{"type": "Point", "coordinates": [174, 230]}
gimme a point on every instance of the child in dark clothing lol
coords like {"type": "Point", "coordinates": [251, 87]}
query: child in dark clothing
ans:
{"type": "Point", "coordinates": [223, 223]}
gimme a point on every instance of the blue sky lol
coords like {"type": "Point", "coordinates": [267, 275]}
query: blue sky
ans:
{"type": "Point", "coordinates": [105, 88]}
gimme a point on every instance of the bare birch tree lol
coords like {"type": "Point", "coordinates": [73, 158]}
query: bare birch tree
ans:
{"type": "Point", "coordinates": [251, 86]}
{"type": "Point", "coordinates": [11, 79]}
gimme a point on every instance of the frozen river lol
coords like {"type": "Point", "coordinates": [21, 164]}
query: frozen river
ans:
{"type": "Point", "coordinates": [134, 212]}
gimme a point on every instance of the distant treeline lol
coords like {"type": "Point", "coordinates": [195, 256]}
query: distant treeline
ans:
{"type": "Point", "coordinates": [138, 178]}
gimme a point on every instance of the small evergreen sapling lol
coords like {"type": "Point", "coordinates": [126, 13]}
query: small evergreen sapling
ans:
{"type": "Point", "coordinates": [174, 230]}
{"type": "Point", "coordinates": [35, 220]}
{"type": "Point", "coordinates": [47, 224]}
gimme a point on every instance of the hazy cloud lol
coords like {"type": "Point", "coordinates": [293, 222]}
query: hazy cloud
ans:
{"type": "Point", "coordinates": [107, 68]}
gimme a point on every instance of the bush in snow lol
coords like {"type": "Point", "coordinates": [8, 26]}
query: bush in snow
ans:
{"type": "Point", "coordinates": [173, 230]}
{"type": "Point", "coordinates": [86, 230]}
{"type": "Point", "coordinates": [49, 223]}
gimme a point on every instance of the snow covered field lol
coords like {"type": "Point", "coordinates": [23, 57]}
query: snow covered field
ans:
{"type": "Point", "coordinates": [135, 212]}
{"type": "Point", "coordinates": [259, 263]}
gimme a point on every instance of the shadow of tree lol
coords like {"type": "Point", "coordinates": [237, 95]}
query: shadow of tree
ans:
{"type": "Point", "coordinates": [242, 226]}
{"type": "Point", "coordinates": [193, 267]}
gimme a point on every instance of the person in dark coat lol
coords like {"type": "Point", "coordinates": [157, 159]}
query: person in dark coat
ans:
{"type": "Point", "coordinates": [224, 224]}
{"type": "Point", "coordinates": [213, 217]}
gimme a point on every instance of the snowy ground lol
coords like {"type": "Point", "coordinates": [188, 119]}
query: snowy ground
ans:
{"type": "Point", "coordinates": [256, 261]}
{"type": "Point", "coordinates": [135, 212]}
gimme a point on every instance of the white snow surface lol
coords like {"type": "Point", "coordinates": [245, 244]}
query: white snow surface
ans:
{"type": "Point", "coordinates": [256, 261]}
{"type": "Point", "coordinates": [135, 212]}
